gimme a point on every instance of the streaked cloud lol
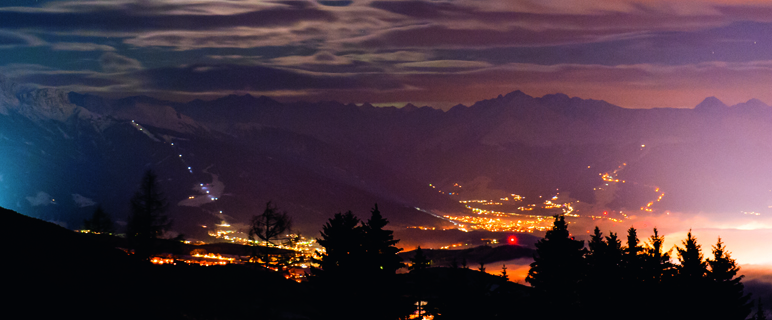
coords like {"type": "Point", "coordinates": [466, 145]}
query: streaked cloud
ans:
{"type": "Point", "coordinates": [322, 57]}
{"type": "Point", "coordinates": [10, 39]}
{"type": "Point", "coordinates": [633, 53]}
{"type": "Point", "coordinates": [256, 78]}
{"type": "Point", "coordinates": [113, 62]}
{"type": "Point", "coordinates": [395, 56]}
{"type": "Point", "coordinates": [80, 46]}
{"type": "Point", "coordinates": [445, 64]}
{"type": "Point", "coordinates": [143, 17]}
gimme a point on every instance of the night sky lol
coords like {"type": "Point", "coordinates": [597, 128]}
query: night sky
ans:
{"type": "Point", "coordinates": [636, 54]}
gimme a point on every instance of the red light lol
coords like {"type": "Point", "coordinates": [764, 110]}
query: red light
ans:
{"type": "Point", "coordinates": [605, 212]}
{"type": "Point", "coordinates": [512, 240]}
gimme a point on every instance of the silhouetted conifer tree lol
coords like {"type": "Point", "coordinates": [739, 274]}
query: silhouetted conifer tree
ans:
{"type": "Point", "coordinates": [592, 288]}
{"type": "Point", "coordinates": [100, 222]}
{"type": "Point", "coordinates": [340, 268]}
{"type": "Point", "coordinates": [342, 241]}
{"type": "Point", "coordinates": [504, 272]}
{"type": "Point", "coordinates": [602, 283]}
{"type": "Point", "coordinates": [728, 290]}
{"type": "Point", "coordinates": [558, 265]}
{"type": "Point", "coordinates": [633, 257]}
{"type": "Point", "coordinates": [380, 246]}
{"type": "Point", "coordinates": [692, 265]}
{"type": "Point", "coordinates": [147, 220]}
{"type": "Point", "coordinates": [694, 299]}
{"type": "Point", "coordinates": [419, 261]}
{"type": "Point", "coordinates": [632, 273]}
{"type": "Point", "coordinates": [596, 249]}
{"type": "Point", "coordinates": [651, 279]}
{"type": "Point", "coordinates": [657, 263]}
{"type": "Point", "coordinates": [614, 253]}
{"type": "Point", "coordinates": [359, 266]}
{"type": "Point", "coordinates": [759, 314]}
{"type": "Point", "coordinates": [482, 267]}
{"type": "Point", "coordinates": [381, 262]}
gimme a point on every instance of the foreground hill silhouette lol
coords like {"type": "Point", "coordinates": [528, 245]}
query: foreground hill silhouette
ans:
{"type": "Point", "coordinates": [55, 272]}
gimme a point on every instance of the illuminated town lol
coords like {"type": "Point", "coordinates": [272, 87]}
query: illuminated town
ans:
{"type": "Point", "coordinates": [535, 216]}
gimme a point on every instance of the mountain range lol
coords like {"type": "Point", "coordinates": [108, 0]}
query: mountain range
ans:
{"type": "Point", "coordinates": [62, 153]}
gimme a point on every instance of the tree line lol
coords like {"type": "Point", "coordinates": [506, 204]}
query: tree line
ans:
{"type": "Point", "coordinates": [606, 279]}
{"type": "Point", "coordinates": [637, 280]}
{"type": "Point", "coordinates": [358, 268]}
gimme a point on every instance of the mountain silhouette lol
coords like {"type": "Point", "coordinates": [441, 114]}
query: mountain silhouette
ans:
{"type": "Point", "coordinates": [318, 158]}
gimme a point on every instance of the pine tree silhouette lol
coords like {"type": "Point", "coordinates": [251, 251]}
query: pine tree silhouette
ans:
{"type": "Point", "coordinates": [380, 246]}
{"type": "Point", "coordinates": [340, 271]}
{"type": "Point", "coordinates": [695, 300]}
{"type": "Point", "coordinates": [359, 266]}
{"type": "Point", "coordinates": [654, 276]}
{"type": "Point", "coordinates": [380, 264]}
{"type": "Point", "coordinates": [632, 273]}
{"type": "Point", "coordinates": [692, 265]}
{"type": "Point", "coordinates": [657, 263]}
{"type": "Point", "coordinates": [100, 222]}
{"type": "Point", "coordinates": [633, 257]}
{"type": "Point", "coordinates": [342, 241]}
{"type": "Point", "coordinates": [759, 315]}
{"type": "Point", "coordinates": [504, 272]}
{"type": "Point", "coordinates": [596, 249]}
{"type": "Point", "coordinates": [728, 290]}
{"type": "Point", "coordinates": [558, 265]}
{"type": "Point", "coordinates": [603, 279]}
{"type": "Point", "coordinates": [419, 261]}
{"type": "Point", "coordinates": [147, 221]}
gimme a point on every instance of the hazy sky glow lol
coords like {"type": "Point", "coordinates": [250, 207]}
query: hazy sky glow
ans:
{"type": "Point", "coordinates": [636, 54]}
{"type": "Point", "coordinates": [741, 234]}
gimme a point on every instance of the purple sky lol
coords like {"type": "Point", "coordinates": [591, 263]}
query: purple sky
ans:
{"type": "Point", "coordinates": [636, 54]}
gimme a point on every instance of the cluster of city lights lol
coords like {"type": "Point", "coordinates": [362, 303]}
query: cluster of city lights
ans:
{"type": "Point", "coordinates": [422, 228]}
{"type": "Point", "coordinates": [493, 220]}
{"type": "Point", "coordinates": [537, 223]}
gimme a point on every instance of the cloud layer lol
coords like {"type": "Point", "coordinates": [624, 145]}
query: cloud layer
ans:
{"type": "Point", "coordinates": [635, 54]}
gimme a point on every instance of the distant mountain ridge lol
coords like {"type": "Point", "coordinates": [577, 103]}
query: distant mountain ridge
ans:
{"type": "Point", "coordinates": [315, 159]}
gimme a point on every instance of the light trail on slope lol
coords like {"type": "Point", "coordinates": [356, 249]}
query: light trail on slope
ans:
{"type": "Point", "coordinates": [202, 188]}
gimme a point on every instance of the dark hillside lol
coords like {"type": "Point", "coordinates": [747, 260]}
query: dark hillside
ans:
{"type": "Point", "coordinates": [55, 272]}
{"type": "Point", "coordinates": [485, 254]}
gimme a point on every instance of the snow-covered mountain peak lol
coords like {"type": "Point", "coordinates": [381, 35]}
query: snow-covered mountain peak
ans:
{"type": "Point", "coordinates": [164, 117]}
{"type": "Point", "coordinates": [41, 104]}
